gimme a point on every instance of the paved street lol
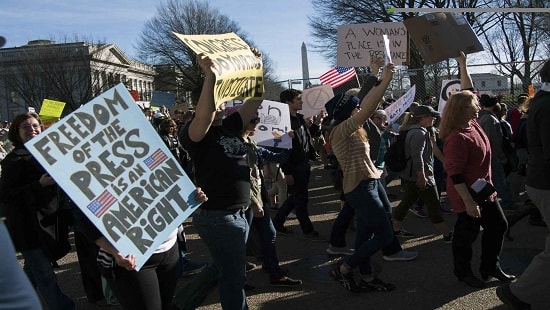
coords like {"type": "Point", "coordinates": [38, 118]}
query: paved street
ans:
{"type": "Point", "coordinates": [425, 283]}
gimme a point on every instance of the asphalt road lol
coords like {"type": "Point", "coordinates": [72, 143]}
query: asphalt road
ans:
{"type": "Point", "coordinates": [425, 283]}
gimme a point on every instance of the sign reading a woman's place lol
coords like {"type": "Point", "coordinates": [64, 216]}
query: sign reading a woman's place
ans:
{"type": "Point", "coordinates": [115, 167]}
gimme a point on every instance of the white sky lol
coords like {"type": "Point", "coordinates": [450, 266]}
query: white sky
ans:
{"type": "Point", "coordinates": [278, 27]}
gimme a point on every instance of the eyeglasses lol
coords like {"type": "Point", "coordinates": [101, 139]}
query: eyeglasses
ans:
{"type": "Point", "coordinates": [255, 120]}
{"type": "Point", "coordinates": [27, 126]}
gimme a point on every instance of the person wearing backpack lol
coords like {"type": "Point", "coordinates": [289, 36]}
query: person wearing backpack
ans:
{"type": "Point", "coordinates": [417, 179]}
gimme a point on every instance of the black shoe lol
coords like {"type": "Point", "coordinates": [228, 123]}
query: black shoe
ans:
{"type": "Point", "coordinates": [250, 266]}
{"type": "Point", "coordinates": [498, 274]}
{"type": "Point", "coordinates": [346, 279]}
{"type": "Point", "coordinates": [472, 281]}
{"type": "Point", "coordinates": [286, 282]}
{"type": "Point", "coordinates": [376, 285]}
{"type": "Point", "coordinates": [508, 298]}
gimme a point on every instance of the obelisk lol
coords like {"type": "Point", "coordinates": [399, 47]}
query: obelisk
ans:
{"type": "Point", "coordinates": [305, 67]}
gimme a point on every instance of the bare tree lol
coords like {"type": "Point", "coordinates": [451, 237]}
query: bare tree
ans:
{"type": "Point", "coordinates": [73, 73]}
{"type": "Point", "coordinates": [157, 44]}
{"type": "Point", "coordinates": [516, 41]}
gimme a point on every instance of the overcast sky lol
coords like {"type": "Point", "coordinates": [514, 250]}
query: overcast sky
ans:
{"type": "Point", "coordinates": [278, 27]}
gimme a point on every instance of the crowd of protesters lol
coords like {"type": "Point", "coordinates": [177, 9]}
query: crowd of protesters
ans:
{"type": "Point", "coordinates": [471, 151]}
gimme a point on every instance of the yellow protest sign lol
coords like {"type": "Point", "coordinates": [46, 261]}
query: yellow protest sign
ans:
{"type": "Point", "coordinates": [50, 112]}
{"type": "Point", "coordinates": [239, 73]}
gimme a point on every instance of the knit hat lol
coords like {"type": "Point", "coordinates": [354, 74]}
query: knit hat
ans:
{"type": "Point", "coordinates": [340, 106]}
{"type": "Point", "coordinates": [487, 101]}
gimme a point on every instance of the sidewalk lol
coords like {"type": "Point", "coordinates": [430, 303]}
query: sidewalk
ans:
{"type": "Point", "coordinates": [425, 283]}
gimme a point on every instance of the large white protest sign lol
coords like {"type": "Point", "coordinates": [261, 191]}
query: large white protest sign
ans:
{"type": "Point", "coordinates": [118, 171]}
{"type": "Point", "coordinates": [274, 125]}
{"type": "Point", "coordinates": [314, 99]}
{"type": "Point", "coordinates": [401, 105]}
{"type": "Point", "coordinates": [358, 43]}
{"type": "Point", "coordinates": [448, 87]}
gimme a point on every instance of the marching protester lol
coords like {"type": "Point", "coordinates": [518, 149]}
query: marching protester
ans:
{"type": "Point", "coordinates": [30, 197]}
{"type": "Point", "coordinates": [532, 286]}
{"type": "Point", "coordinates": [222, 171]}
{"type": "Point", "coordinates": [361, 187]}
{"type": "Point", "coordinates": [467, 154]}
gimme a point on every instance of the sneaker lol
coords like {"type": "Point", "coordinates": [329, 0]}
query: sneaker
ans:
{"type": "Point", "coordinates": [403, 233]}
{"type": "Point", "coordinates": [250, 266]}
{"type": "Point", "coordinates": [376, 285]}
{"type": "Point", "coordinates": [314, 236]}
{"type": "Point", "coordinates": [334, 250]}
{"type": "Point", "coordinates": [346, 279]}
{"type": "Point", "coordinates": [285, 282]}
{"type": "Point", "coordinates": [444, 210]}
{"type": "Point", "coordinates": [291, 215]}
{"type": "Point", "coordinates": [402, 255]}
{"type": "Point", "coordinates": [192, 268]}
{"type": "Point", "coordinates": [418, 211]}
{"type": "Point", "coordinates": [282, 230]}
{"type": "Point", "coordinates": [448, 238]}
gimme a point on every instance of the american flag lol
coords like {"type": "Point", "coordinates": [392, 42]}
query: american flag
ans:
{"type": "Point", "coordinates": [156, 159]}
{"type": "Point", "coordinates": [100, 205]}
{"type": "Point", "coordinates": [337, 76]}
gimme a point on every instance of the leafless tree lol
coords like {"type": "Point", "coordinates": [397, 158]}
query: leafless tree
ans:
{"type": "Point", "coordinates": [158, 45]}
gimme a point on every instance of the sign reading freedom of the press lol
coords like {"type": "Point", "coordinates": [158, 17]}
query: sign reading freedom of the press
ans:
{"type": "Point", "coordinates": [115, 167]}
{"type": "Point", "coordinates": [358, 43]}
{"type": "Point", "coordinates": [401, 105]}
{"type": "Point", "coordinates": [239, 73]}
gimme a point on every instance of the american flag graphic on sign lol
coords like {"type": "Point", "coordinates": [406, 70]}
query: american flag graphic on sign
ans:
{"type": "Point", "coordinates": [100, 205]}
{"type": "Point", "coordinates": [156, 159]}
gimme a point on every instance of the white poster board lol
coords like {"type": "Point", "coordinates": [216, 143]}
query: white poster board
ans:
{"type": "Point", "coordinates": [448, 87]}
{"type": "Point", "coordinates": [358, 43]}
{"type": "Point", "coordinates": [314, 99]}
{"type": "Point", "coordinates": [274, 125]}
{"type": "Point", "coordinates": [401, 105]}
{"type": "Point", "coordinates": [118, 171]}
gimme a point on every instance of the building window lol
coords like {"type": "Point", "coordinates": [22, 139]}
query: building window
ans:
{"type": "Point", "coordinates": [499, 83]}
{"type": "Point", "coordinates": [483, 84]}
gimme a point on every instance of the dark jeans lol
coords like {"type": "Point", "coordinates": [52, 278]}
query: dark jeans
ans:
{"type": "Point", "coordinates": [86, 252]}
{"type": "Point", "coordinates": [340, 225]}
{"type": "Point", "coordinates": [265, 231]}
{"type": "Point", "coordinates": [152, 287]}
{"type": "Point", "coordinates": [466, 231]}
{"type": "Point", "coordinates": [412, 193]}
{"type": "Point", "coordinates": [374, 230]}
{"type": "Point", "coordinates": [297, 199]}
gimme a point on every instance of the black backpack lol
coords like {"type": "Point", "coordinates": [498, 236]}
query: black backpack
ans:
{"type": "Point", "coordinates": [395, 158]}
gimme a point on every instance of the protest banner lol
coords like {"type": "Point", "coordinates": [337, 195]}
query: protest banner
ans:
{"type": "Point", "coordinates": [274, 125]}
{"type": "Point", "coordinates": [239, 73]}
{"type": "Point", "coordinates": [314, 99]}
{"type": "Point", "coordinates": [401, 105]}
{"type": "Point", "coordinates": [50, 111]}
{"type": "Point", "coordinates": [118, 171]}
{"type": "Point", "coordinates": [358, 43]}
{"type": "Point", "coordinates": [448, 87]}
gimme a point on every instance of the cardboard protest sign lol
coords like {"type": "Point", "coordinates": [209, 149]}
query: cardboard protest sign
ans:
{"type": "Point", "coordinates": [118, 171]}
{"type": "Point", "coordinates": [239, 73]}
{"type": "Point", "coordinates": [314, 99]}
{"type": "Point", "coordinates": [440, 36]}
{"type": "Point", "coordinates": [401, 105]}
{"type": "Point", "coordinates": [274, 125]}
{"type": "Point", "coordinates": [358, 43]}
{"type": "Point", "coordinates": [50, 111]}
{"type": "Point", "coordinates": [448, 87]}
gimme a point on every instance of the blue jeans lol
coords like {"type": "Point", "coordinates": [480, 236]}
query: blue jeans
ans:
{"type": "Point", "coordinates": [266, 232]}
{"type": "Point", "coordinates": [297, 199]}
{"type": "Point", "coordinates": [224, 232]}
{"type": "Point", "coordinates": [374, 230]}
{"type": "Point", "coordinates": [501, 184]}
{"type": "Point", "coordinates": [39, 270]}
{"type": "Point", "coordinates": [16, 291]}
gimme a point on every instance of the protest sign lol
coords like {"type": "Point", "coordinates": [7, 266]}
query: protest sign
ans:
{"type": "Point", "coordinates": [239, 73]}
{"type": "Point", "coordinates": [314, 99]}
{"type": "Point", "coordinates": [118, 171]}
{"type": "Point", "coordinates": [50, 111]}
{"type": "Point", "coordinates": [274, 125]}
{"type": "Point", "coordinates": [401, 105]}
{"type": "Point", "coordinates": [440, 36]}
{"type": "Point", "coordinates": [358, 43]}
{"type": "Point", "coordinates": [448, 87]}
